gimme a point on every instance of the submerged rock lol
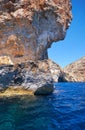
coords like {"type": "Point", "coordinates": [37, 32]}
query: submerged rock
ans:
{"type": "Point", "coordinates": [45, 89]}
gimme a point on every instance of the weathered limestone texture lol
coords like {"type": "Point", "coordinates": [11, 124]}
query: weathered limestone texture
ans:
{"type": "Point", "coordinates": [55, 70]}
{"type": "Point", "coordinates": [27, 30]}
{"type": "Point", "coordinates": [33, 76]}
{"type": "Point", "coordinates": [77, 70]}
{"type": "Point", "coordinates": [58, 73]}
{"type": "Point", "coordinates": [28, 27]}
{"type": "Point", "coordinates": [5, 60]}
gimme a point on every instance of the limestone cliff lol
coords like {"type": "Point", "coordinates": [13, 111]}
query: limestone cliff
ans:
{"type": "Point", "coordinates": [28, 27]}
{"type": "Point", "coordinates": [77, 70]}
{"type": "Point", "coordinates": [58, 73]}
{"type": "Point", "coordinates": [33, 76]}
{"type": "Point", "coordinates": [27, 30]}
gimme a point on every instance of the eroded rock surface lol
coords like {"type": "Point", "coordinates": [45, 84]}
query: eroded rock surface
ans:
{"type": "Point", "coordinates": [5, 60]}
{"type": "Point", "coordinates": [77, 70]}
{"type": "Point", "coordinates": [27, 30]}
{"type": "Point", "coordinates": [55, 70]}
{"type": "Point", "coordinates": [58, 73]}
{"type": "Point", "coordinates": [28, 27]}
{"type": "Point", "coordinates": [33, 76]}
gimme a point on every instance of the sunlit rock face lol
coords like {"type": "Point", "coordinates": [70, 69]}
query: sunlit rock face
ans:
{"type": "Point", "coordinates": [58, 73]}
{"type": "Point", "coordinates": [5, 60]}
{"type": "Point", "coordinates": [27, 30]}
{"type": "Point", "coordinates": [28, 27]}
{"type": "Point", "coordinates": [77, 70]}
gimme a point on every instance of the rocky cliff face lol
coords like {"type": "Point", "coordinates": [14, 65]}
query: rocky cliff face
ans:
{"type": "Point", "coordinates": [27, 30]}
{"type": "Point", "coordinates": [33, 76]}
{"type": "Point", "coordinates": [77, 70]}
{"type": "Point", "coordinates": [28, 27]}
{"type": "Point", "coordinates": [58, 73]}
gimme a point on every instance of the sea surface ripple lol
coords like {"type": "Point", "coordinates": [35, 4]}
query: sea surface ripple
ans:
{"type": "Point", "coordinates": [62, 110]}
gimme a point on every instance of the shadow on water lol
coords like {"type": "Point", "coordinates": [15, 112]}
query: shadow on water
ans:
{"type": "Point", "coordinates": [27, 112]}
{"type": "Point", "coordinates": [62, 110]}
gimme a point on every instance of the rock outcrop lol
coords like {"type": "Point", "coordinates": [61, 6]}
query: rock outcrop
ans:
{"type": "Point", "coordinates": [28, 27]}
{"type": "Point", "coordinates": [27, 30]}
{"type": "Point", "coordinates": [33, 76]}
{"type": "Point", "coordinates": [58, 73]}
{"type": "Point", "coordinates": [66, 77]}
{"type": "Point", "coordinates": [76, 70]}
{"type": "Point", "coordinates": [55, 70]}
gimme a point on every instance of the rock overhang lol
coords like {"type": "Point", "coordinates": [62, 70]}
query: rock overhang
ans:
{"type": "Point", "coordinates": [28, 27]}
{"type": "Point", "coordinates": [27, 30]}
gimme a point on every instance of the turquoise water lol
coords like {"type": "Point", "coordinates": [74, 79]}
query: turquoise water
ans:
{"type": "Point", "coordinates": [62, 110]}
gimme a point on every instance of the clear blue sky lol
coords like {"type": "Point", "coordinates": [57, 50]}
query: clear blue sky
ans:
{"type": "Point", "coordinates": [73, 46]}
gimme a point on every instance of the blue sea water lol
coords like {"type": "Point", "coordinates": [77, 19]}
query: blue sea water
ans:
{"type": "Point", "coordinates": [62, 110]}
